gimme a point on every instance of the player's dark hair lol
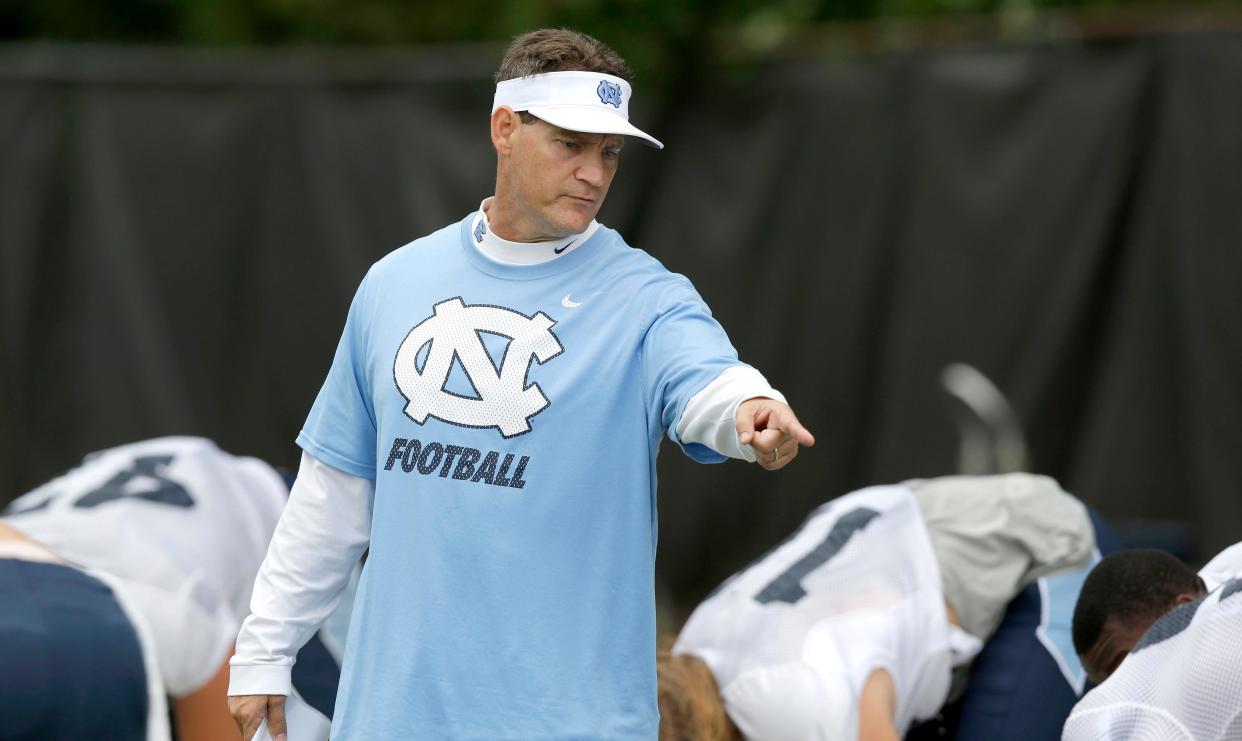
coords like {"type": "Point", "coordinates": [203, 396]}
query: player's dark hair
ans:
{"type": "Point", "coordinates": [560, 50]}
{"type": "Point", "coordinates": [1129, 587]}
{"type": "Point", "coordinates": [690, 704]}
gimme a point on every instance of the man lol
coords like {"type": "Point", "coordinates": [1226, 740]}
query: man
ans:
{"type": "Point", "coordinates": [176, 528]}
{"type": "Point", "coordinates": [1129, 591]}
{"type": "Point", "coordinates": [1166, 640]}
{"type": "Point", "coordinates": [852, 627]}
{"type": "Point", "coordinates": [69, 673]}
{"type": "Point", "coordinates": [489, 427]}
{"type": "Point", "coordinates": [1182, 680]}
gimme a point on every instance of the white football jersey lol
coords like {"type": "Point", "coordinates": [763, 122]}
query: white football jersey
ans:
{"type": "Point", "coordinates": [182, 524]}
{"type": "Point", "coordinates": [792, 639]}
{"type": "Point", "coordinates": [1181, 682]}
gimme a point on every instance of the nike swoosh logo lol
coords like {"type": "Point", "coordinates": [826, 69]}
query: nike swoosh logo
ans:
{"type": "Point", "coordinates": [562, 249]}
{"type": "Point", "coordinates": [569, 303]}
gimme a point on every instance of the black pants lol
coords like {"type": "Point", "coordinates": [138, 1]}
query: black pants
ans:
{"type": "Point", "coordinates": [70, 662]}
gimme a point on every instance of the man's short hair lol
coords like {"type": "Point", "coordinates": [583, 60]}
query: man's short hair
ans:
{"type": "Point", "coordinates": [560, 50]}
{"type": "Point", "coordinates": [1129, 587]}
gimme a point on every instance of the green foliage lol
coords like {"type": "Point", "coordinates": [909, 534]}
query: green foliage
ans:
{"type": "Point", "coordinates": [651, 34]}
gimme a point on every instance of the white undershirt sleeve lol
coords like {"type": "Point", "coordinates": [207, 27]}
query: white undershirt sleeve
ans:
{"type": "Point", "coordinates": [709, 416]}
{"type": "Point", "coordinates": [322, 533]}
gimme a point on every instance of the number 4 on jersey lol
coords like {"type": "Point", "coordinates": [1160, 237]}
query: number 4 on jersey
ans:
{"type": "Point", "coordinates": [146, 469]}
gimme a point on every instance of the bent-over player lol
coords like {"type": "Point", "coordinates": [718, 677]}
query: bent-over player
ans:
{"type": "Point", "coordinates": [852, 627]}
{"type": "Point", "coordinates": [177, 528]}
{"type": "Point", "coordinates": [1168, 641]}
{"type": "Point", "coordinates": [1182, 680]}
{"type": "Point", "coordinates": [1130, 590]}
{"type": "Point", "coordinates": [74, 662]}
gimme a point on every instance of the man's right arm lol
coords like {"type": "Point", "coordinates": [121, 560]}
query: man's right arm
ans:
{"type": "Point", "coordinates": [322, 533]}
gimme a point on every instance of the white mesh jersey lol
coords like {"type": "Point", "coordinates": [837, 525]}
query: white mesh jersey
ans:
{"type": "Point", "coordinates": [182, 524]}
{"type": "Point", "coordinates": [792, 639]}
{"type": "Point", "coordinates": [1181, 682]}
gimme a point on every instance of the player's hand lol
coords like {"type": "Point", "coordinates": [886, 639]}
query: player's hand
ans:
{"type": "Point", "coordinates": [773, 430]}
{"type": "Point", "coordinates": [250, 710]}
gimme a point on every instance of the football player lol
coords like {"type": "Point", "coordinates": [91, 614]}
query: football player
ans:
{"type": "Point", "coordinates": [178, 528]}
{"type": "Point", "coordinates": [1129, 591]}
{"type": "Point", "coordinates": [852, 627]}
{"type": "Point", "coordinates": [1167, 641]}
{"type": "Point", "coordinates": [1181, 680]}
{"type": "Point", "coordinates": [74, 663]}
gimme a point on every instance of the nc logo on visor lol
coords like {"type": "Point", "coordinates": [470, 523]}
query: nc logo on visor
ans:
{"type": "Point", "coordinates": [609, 92]}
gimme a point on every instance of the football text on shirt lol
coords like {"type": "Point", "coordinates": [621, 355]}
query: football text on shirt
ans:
{"type": "Point", "coordinates": [459, 461]}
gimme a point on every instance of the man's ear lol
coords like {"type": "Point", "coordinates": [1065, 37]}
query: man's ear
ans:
{"type": "Point", "coordinates": [505, 124]}
{"type": "Point", "coordinates": [1185, 597]}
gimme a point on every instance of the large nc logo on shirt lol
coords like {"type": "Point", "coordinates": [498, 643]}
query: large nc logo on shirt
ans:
{"type": "Point", "coordinates": [451, 337]}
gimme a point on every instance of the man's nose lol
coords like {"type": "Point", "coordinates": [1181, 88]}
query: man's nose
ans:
{"type": "Point", "coordinates": [592, 171]}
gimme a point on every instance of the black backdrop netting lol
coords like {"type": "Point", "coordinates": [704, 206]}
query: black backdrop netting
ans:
{"type": "Point", "coordinates": [181, 233]}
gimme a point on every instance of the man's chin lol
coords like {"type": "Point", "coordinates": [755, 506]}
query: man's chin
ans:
{"type": "Point", "coordinates": [575, 224]}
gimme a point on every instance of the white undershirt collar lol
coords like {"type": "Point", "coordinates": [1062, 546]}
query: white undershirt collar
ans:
{"type": "Point", "coordinates": [521, 253]}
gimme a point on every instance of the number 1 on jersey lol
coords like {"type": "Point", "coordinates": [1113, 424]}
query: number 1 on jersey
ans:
{"type": "Point", "coordinates": [787, 586]}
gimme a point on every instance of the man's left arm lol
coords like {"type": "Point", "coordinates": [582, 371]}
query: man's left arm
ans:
{"type": "Point", "coordinates": [740, 415]}
{"type": "Point", "coordinates": [704, 396]}
{"type": "Point", "coordinates": [772, 430]}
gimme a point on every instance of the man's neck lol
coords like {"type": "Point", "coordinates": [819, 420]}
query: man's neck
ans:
{"type": "Point", "coordinates": [507, 222]}
{"type": "Point", "coordinates": [499, 247]}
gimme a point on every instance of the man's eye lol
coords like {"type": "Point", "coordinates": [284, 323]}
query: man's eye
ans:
{"type": "Point", "coordinates": [612, 154]}
{"type": "Point", "coordinates": [568, 144]}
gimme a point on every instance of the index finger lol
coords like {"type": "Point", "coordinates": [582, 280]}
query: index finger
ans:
{"type": "Point", "coordinates": [788, 421]}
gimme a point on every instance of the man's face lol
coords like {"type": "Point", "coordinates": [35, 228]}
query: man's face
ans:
{"type": "Point", "coordinates": [558, 179]}
{"type": "Point", "coordinates": [1117, 638]}
{"type": "Point", "coordinates": [1115, 642]}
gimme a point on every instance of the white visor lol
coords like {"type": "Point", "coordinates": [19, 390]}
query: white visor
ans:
{"type": "Point", "coordinates": [578, 101]}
